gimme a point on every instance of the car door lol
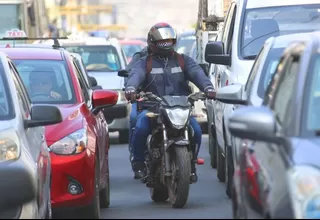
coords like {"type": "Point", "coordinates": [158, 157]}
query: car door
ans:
{"type": "Point", "coordinates": [223, 72]}
{"type": "Point", "coordinates": [36, 142]}
{"type": "Point", "coordinates": [272, 174]}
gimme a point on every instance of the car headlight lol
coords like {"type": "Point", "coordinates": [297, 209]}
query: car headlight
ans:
{"type": "Point", "coordinates": [9, 147]}
{"type": "Point", "coordinates": [304, 183]}
{"type": "Point", "coordinates": [178, 117]}
{"type": "Point", "coordinates": [74, 143]}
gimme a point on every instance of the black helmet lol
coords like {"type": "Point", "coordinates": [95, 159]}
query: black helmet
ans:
{"type": "Point", "coordinates": [159, 38]}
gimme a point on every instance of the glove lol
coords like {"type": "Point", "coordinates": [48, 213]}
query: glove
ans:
{"type": "Point", "coordinates": [130, 94]}
{"type": "Point", "coordinates": [210, 93]}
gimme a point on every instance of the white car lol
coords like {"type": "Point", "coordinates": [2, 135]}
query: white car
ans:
{"type": "Point", "coordinates": [23, 145]}
{"type": "Point", "coordinates": [103, 58]}
{"type": "Point", "coordinates": [247, 25]}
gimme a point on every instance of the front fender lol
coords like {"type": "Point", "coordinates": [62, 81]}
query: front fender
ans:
{"type": "Point", "coordinates": [227, 113]}
{"type": "Point", "coordinates": [177, 143]}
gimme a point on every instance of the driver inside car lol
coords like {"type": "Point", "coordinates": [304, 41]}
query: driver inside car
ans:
{"type": "Point", "coordinates": [41, 84]}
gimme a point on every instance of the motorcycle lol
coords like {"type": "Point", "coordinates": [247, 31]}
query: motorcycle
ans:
{"type": "Point", "coordinates": [171, 148]}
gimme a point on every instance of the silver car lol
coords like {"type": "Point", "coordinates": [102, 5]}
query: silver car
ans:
{"type": "Point", "coordinates": [22, 141]}
{"type": "Point", "coordinates": [253, 92]}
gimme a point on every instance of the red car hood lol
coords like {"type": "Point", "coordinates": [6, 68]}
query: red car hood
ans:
{"type": "Point", "coordinates": [72, 121]}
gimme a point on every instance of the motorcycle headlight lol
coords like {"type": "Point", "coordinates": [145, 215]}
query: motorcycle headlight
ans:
{"type": "Point", "coordinates": [74, 143]}
{"type": "Point", "coordinates": [304, 183]}
{"type": "Point", "coordinates": [9, 146]}
{"type": "Point", "coordinates": [178, 117]}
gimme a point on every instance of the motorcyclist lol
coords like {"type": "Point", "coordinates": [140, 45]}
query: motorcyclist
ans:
{"type": "Point", "coordinates": [166, 78]}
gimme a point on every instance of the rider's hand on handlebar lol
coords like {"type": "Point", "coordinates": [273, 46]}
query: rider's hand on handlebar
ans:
{"type": "Point", "coordinates": [210, 93]}
{"type": "Point", "coordinates": [130, 94]}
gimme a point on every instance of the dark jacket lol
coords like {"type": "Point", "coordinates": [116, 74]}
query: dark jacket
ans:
{"type": "Point", "coordinates": [168, 78]}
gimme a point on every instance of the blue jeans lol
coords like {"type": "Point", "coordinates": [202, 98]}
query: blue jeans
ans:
{"type": "Point", "coordinates": [143, 130]}
{"type": "Point", "coordinates": [133, 121]}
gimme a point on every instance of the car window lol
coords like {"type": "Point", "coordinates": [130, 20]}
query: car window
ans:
{"type": "Point", "coordinates": [254, 71]}
{"type": "Point", "coordinates": [228, 27]}
{"type": "Point", "coordinates": [131, 49]}
{"type": "Point", "coordinates": [184, 43]}
{"type": "Point", "coordinates": [98, 58]}
{"type": "Point", "coordinates": [6, 110]}
{"type": "Point", "coordinates": [313, 97]}
{"type": "Point", "coordinates": [285, 89]}
{"type": "Point", "coordinates": [268, 70]}
{"type": "Point", "coordinates": [82, 83]}
{"type": "Point", "coordinates": [47, 81]}
{"type": "Point", "coordinates": [263, 23]}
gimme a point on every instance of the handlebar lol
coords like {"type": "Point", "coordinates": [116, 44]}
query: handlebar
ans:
{"type": "Point", "coordinates": [150, 96]}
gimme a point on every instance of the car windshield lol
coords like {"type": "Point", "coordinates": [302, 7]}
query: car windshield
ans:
{"type": "Point", "coordinates": [6, 111]}
{"type": "Point", "coordinates": [268, 70]}
{"type": "Point", "coordinates": [184, 44]}
{"type": "Point", "coordinates": [312, 97]}
{"type": "Point", "coordinates": [262, 23]}
{"type": "Point", "coordinates": [47, 81]}
{"type": "Point", "coordinates": [98, 58]}
{"type": "Point", "coordinates": [131, 49]}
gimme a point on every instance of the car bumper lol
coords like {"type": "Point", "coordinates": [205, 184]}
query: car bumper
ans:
{"type": "Point", "coordinates": [68, 171]}
{"type": "Point", "coordinates": [118, 116]}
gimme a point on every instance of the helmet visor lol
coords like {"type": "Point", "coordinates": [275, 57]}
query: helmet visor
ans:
{"type": "Point", "coordinates": [165, 33]}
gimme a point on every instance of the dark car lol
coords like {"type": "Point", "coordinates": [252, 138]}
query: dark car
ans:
{"type": "Point", "coordinates": [284, 135]}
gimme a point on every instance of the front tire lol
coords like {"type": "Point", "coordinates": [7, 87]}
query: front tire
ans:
{"type": "Point", "coordinates": [159, 193]}
{"type": "Point", "coordinates": [124, 137]}
{"type": "Point", "coordinates": [105, 192]}
{"type": "Point", "coordinates": [179, 183]}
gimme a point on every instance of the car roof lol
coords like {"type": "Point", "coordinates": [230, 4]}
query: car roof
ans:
{"type": "Point", "coordinates": [33, 53]}
{"type": "Point", "coordinates": [274, 3]}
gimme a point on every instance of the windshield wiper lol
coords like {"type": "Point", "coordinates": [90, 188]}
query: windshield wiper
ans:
{"type": "Point", "coordinates": [258, 38]}
{"type": "Point", "coordinates": [250, 57]}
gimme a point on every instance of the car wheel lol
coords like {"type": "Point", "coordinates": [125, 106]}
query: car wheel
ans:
{"type": "Point", "coordinates": [228, 171]}
{"type": "Point", "coordinates": [124, 137]}
{"type": "Point", "coordinates": [93, 210]}
{"type": "Point", "coordinates": [220, 166]}
{"type": "Point", "coordinates": [105, 192]}
{"type": "Point", "coordinates": [212, 147]}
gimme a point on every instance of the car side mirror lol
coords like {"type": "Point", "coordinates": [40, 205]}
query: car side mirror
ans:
{"type": "Point", "coordinates": [214, 53]}
{"type": "Point", "coordinates": [42, 115]}
{"type": "Point", "coordinates": [102, 98]}
{"type": "Point", "coordinates": [254, 123]}
{"type": "Point", "coordinates": [231, 94]}
{"type": "Point", "coordinates": [17, 188]}
{"type": "Point", "coordinates": [93, 81]}
{"type": "Point", "coordinates": [123, 73]}
{"type": "Point", "coordinates": [205, 68]}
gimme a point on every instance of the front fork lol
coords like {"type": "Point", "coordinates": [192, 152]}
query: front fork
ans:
{"type": "Point", "coordinates": [167, 164]}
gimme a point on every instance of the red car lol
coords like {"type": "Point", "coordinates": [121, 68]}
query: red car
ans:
{"type": "Point", "coordinates": [78, 145]}
{"type": "Point", "coordinates": [130, 47]}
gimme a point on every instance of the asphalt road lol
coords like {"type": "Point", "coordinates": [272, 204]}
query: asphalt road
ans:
{"type": "Point", "coordinates": [130, 198]}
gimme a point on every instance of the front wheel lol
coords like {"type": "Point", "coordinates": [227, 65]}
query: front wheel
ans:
{"type": "Point", "coordinates": [179, 183]}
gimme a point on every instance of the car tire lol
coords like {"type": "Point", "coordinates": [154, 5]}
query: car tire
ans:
{"type": "Point", "coordinates": [105, 192]}
{"type": "Point", "coordinates": [48, 214]}
{"type": "Point", "coordinates": [212, 147]}
{"type": "Point", "coordinates": [221, 175]}
{"type": "Point", "coordinates": [228, 171]}
{"type": "Point", "coordinates": [124, 137]}
{"type": "Point", "coordinates": [93, 210]}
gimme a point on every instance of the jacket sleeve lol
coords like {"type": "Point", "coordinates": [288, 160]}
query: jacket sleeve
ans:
{"type": "Point", "coordinates": [196, 74]}
{"type": "Point", "coordinates": [137, 74]}
{"type": "Point", "coordinates": [136, 57]}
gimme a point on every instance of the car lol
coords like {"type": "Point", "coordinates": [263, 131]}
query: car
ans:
{"type": "Point", "coordinates": [23, 145]}
{"type": "Point", "coordinates": [131, 46]}
{"type": "Point", "coordinates": [78, 145]}
{"type": "Point", "coordinates": [284, 136]}
{"type": "Point", "coordinates": [235, 54]}
{"type": "Point", "coordinates": [96, 53]}
{"type": "Point", "coordinates": [185, 41]}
